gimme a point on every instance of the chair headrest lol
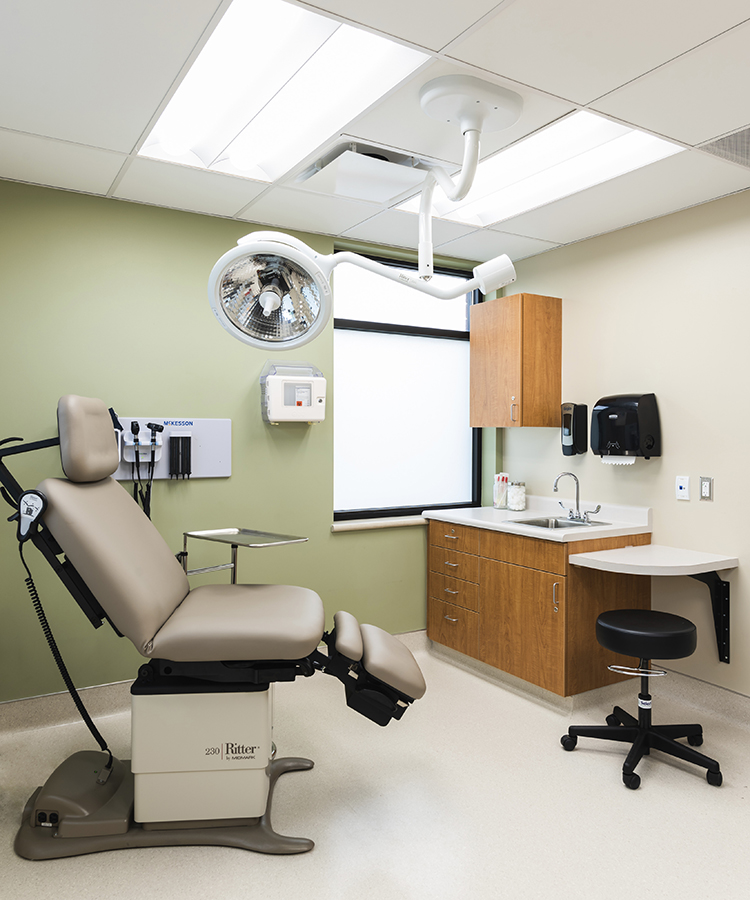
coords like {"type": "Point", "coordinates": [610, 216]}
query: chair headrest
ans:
{"type": "Point", "coordinates": [88, 447]}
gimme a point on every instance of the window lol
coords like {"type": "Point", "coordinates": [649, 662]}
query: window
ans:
{"type": "Point", "coordinates": [402, 440]}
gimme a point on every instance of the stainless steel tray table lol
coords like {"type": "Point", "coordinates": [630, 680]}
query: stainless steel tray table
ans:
{"type": "Point", "coordinates": [236, 538]}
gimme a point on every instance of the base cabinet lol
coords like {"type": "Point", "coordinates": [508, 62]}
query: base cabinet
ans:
{"type": "Point", "coordinates": [516, 604]}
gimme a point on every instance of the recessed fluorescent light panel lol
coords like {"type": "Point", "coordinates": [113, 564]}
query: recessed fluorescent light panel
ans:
{"type": "Point", "coordinates": [576, 153]}
{"type": "Point", "coordinates": [273, 83]}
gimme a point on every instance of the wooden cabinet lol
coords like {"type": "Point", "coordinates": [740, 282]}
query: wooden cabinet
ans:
{"type": "Point", "coordinates": [516, 362]}
{"type": "Point", "coordinates": [515, 603]}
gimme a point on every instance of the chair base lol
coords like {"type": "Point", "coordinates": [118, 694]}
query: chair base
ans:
{"type": "Point", "coordinates": [34, 841]}
{"type": "Point", "coordinates": [644, 736]}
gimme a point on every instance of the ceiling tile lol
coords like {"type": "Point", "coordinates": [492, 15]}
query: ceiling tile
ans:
{"type": "Point", "coordinates": [24, 157]}
{"type": "Point", "coordinates": [398, 122]}
{"type": "Point", "coordinates": [672, 184]}
{"type": "Point", "coordinates": [582, 49]}
{"type": "Point", "coordinates": [182, 187]}
{"type": "Point", "coordinates": [301, 211]}
{"type": "Point", "coordinates": [489, 243]}
{"type": "Point", "coordinates": [93, 71]}
{"type": "Point", "coordinates": [694, 98]}
{"type": "Point", "coordinates": [401, 229]}
{"type": "Point", "coordinates": [417, 21]}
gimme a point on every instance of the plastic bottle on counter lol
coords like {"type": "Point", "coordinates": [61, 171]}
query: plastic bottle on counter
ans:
{"type": "Point", "coordinates": [500, 491]}
{"type": "Point", "coordinates": [517, 495]}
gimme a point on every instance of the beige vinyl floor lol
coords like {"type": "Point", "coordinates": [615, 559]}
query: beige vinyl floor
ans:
{"type": "Point", "coordinates": [470, 795]}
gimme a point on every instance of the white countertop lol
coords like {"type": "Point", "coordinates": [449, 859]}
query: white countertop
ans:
{"type": "Point", "coordinates": [620, 520]}
{"type": "Point", "coordinates": [654, 559]}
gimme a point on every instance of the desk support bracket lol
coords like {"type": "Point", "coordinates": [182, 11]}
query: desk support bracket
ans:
{"type": "Point", "coordinates": [720, 604]}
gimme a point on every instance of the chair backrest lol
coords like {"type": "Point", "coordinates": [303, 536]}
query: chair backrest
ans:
{"type": "Point", "coordinates": [110, 541]}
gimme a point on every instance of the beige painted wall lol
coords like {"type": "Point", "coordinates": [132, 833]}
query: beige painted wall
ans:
{"type": "Point", "coordinates": [108, 299]}
{"type": "Point", "coordinates": [665, 307]}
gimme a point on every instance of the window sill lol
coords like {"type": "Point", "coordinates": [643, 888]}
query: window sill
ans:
{"type": "Point", "coordinates": [373, 524]}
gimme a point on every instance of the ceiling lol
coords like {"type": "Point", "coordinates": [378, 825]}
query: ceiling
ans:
{"type": "Point", "coordinates": [83, 82]}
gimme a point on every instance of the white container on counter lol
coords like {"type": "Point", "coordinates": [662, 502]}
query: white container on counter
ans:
{"type": "Point", "coordinates": [517, 495]}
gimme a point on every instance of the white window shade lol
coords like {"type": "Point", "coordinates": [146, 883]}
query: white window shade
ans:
{"type": "Point", "coordinates": [401, 429]}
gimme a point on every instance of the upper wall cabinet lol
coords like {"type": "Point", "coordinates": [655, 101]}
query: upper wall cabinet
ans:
{"type": "Point", "coordinates": [516, 362]}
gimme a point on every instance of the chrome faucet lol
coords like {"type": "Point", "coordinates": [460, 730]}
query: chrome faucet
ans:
{"type": "Point", "coordinates": [571, 514]}
{"type": "Point", "coordinates": [575, 515]}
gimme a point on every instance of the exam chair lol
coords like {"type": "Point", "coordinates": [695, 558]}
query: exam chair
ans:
{"type": "Point", "coordinates": [203, 763]}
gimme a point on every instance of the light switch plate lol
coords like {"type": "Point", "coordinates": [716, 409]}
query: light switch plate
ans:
{"type": "Point", "coordinates": [682, 487]}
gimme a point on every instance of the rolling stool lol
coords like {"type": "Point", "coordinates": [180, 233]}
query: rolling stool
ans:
{"type": "Point", "coordinates": [646, 634]}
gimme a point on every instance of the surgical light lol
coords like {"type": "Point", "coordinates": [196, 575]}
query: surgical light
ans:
{"type": "Point", "coordinates": [272, 290]}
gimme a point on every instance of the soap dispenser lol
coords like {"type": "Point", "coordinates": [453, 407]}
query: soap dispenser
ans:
{"type": "Point", "coordinates": [573, 428]}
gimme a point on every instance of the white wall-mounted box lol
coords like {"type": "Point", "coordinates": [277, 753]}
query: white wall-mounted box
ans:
{"type": "Point", "coordinates": [292, 392]}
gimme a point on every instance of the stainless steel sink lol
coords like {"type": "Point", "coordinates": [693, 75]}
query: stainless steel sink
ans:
{"type": "Point", "coordinates": [553, 522]}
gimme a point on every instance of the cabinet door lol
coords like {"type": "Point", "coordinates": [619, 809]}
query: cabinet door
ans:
{"type": "Point", "coordinates": [495, 363]}
{"type": "Point", "coordinates": [523, 623]}
{"type": "Point", "coordinates": [516, 362]}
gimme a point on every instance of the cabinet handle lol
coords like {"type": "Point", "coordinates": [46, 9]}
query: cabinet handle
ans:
{"type": "Point", "coordinates": [449, 619]}
{"type": "Point", "coordinates": [451, 537]}
{"type": "Point", "coordinates": [452, 565]}
{"type": "Point", "coordinates": [554, 596]}
{"type": "Point", "coordinates": [446, 591]}
{"type": "Point", "coordinates": [512, 407]}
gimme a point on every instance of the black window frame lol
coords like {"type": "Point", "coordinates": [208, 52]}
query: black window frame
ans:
{"type": "Point", "coordinates": [379, 512]}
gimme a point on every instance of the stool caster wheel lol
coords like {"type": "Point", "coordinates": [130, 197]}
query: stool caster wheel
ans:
{"type": "Point", "coordinates": [631, 781]}
{"type": "Point", "coordinates": [612, 720]}
{"type": "Point", "coordinates": [569, 741]}
{"type": "Point", "coordinates": [714, 778]}
{"type": "Point", "coordinates": [695, 740]}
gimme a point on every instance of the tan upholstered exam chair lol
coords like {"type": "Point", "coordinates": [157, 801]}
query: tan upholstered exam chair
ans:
{"type": "Point", "coordinates": [202, 770]}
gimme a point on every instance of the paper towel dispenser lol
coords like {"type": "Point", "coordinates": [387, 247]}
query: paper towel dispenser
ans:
{"type": "Point", "coordinates": [626, 426]}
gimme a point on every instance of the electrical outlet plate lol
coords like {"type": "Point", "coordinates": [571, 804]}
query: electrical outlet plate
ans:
{"type": "Point", "coordinates": [706, 487]}
{"type": "Point", "coordinates": [682, 487]}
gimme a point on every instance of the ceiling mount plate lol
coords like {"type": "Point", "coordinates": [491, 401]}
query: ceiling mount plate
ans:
{"type": "Point", "coordinates": [470, 103]}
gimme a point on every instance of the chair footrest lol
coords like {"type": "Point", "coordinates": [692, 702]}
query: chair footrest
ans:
{"type": "Point", "coordinates": [379, 673]}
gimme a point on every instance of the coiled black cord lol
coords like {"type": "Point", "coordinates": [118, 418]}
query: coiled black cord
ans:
{"type": "Point", "coordinates": [39, 610]}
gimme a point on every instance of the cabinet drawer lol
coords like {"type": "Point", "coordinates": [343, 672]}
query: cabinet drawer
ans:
{"type": "Point", "coordinates": [455, 591]}
{"type": "Point", "coordinates": [457, 565]}
{"type": "Point", "coordinates": [547, 556]}
{"type": "Point", "coordinates": [454, 537]}
{"type": "Point", "coordinates": [453, 627]}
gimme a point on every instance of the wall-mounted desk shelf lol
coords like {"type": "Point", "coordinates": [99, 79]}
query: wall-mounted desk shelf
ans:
{"type": "Point", "coordinates": [654, 559]}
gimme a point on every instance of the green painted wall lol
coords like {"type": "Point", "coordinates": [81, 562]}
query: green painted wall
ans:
{"type": "Point", "coordinates": [108, 299]}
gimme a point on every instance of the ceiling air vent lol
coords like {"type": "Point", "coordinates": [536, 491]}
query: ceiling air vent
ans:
{"type": "Point", "coordinates": [359, 172]}
{"type": "Point", "coordinates": [735, 147]}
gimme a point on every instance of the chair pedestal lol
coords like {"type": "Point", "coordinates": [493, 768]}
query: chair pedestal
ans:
{"type": "Point", "coordinates": [106, 822]}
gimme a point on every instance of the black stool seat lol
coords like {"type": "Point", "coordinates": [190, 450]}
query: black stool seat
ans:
{"type": "Point", "coordinates": [646, 633]}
